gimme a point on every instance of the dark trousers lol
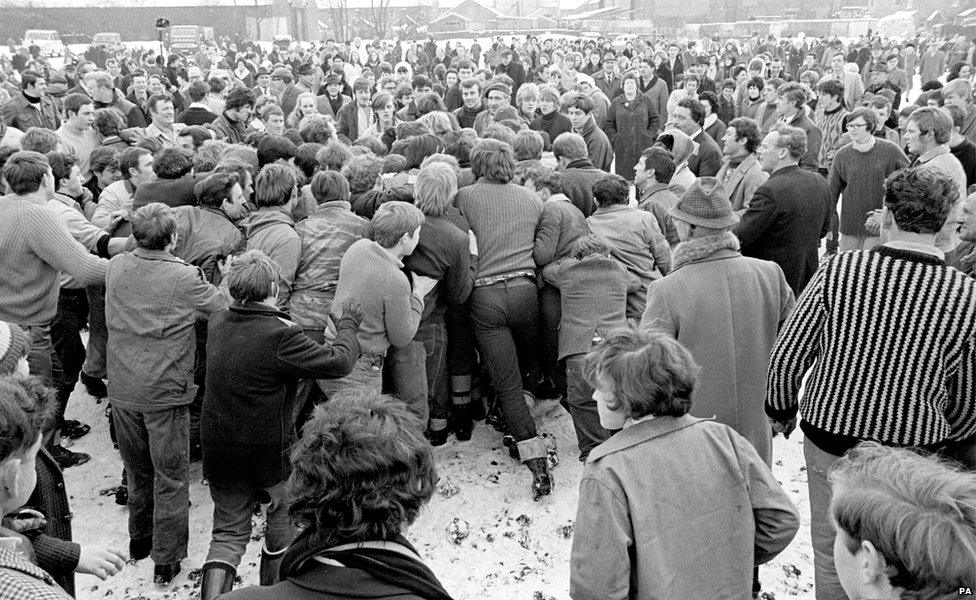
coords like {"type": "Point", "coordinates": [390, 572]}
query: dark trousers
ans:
{"type": "Point", "coordinates": [155, 449]}
{"type": "Point", "coordinates": [405, 376]}
{"type": "Point", "coordinates": [41, 357]}
{"type": "Point", "coordinates": [97, 333]}
{"type": "Point", "coordinates": [582, 408]}
{"type": "Point", "coordinates": [432, 333]}
{"type": "Point", "coordinates": [66, 339]}
{"type": "Point", "coordinates": [550, 312]}
{"type": "Point", "coordinates": [506, 324]}
{"type": "Point", "coordinates": [200, 379]}
{"type": "Point", "coordinates": [233, 509]}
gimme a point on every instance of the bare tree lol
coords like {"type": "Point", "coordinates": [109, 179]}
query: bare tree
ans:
{"type": "Point", "coordinates": [379, 9]}
{"type": "Point", "coordinates": [339, 12]}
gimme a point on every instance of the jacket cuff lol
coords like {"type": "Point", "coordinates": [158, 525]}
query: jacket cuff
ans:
{"type": "Point", "coordinates": [781, 414]}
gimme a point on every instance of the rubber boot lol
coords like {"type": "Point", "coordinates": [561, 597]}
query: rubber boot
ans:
{"type": "Point", "coordinates": [533, 454]}
{"type": "Point", "coordinates": [270, 562]}
{"type": "Point", "coordinates": [461, 407]}
{"type": "Point", "coordinates": [218, 579]}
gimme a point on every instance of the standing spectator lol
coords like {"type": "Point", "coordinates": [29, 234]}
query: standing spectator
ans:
{"type": "Point", "coordinates": [726, 309]}
{"type": "Point", "coordinates": [356, 117]}
{"type": "Point", "coordinates": [232, 123]}
{"type": "Point", "coordinates": [631, 126]}
{"type": "Point", "coordinates": [790, 213]}
{"type": "Point", "coordinates": [689, 117]}
{"type": "Point", "coordinates": [579, 109]}
{"type": "Point", "coordinates": [829, 117]}
{"type": "Point", "coordinates": [965, 257]}
{"type": "Point", "coordinates": [32, 107]}
{"type": "Point", "coordinates": [885, 549]}
{"type": "Point", "coordinates": [637, 242]}
{"type": "Point", "coordinates": [106, 95]}
{"type": "Point", "coordinates": [576, 171]}
{"type": "Point", "coordinates": [152, 300]}
{"type": "Point", "coordinates": [351, 544]}
{"type": "Point", "coordinates": [593, 290]}
{"type": "Point", "coordinates": [741, 173]}
{"type": "Point", "coordinates": [646, 523]}
{"type": "Point", "coordinates": [552, 122]}
{"type": "Point", "coordinates": [504, 304]}
{"type": "Point", "coordinates": [370, 273]}
{"type": "Point", "coordinates": [932, 64]}
{"type": "Point", "coordinates": [857, 178]}
{"type": "Point", "coordinates": [77, 136]}
{"type": "Point", "coordinates": [656, 194]}
{"type": "Point", "coordinates": [792, 110]}
{"type": "Point", "coordinates": [163, 129]}
{"type": "Point", "coordinates": [845, 334]}
{"type": "Point", "coordinates": [713, 125]}
{"type": "Point", "coordinates": [257, 358]}
{"type": "Point", "coordinates": [853, 86]}
{"type": "Point", "coordinates": [959, 93]}
{"type": "Point", "coordinates": [271, 229]}
{"type": "Point", "coordinates": [36, 248]}
{"type": "Point", "coordinates": [655, 88]}
{"type": "Point", "coordinates": [472, 105]}
{"type": "Point", "coordinates": [198, 111]}
{"type": "Point", "coordinates": [174, 181]}
{"type": "Point", "coordinates": [928, 133]}
{"type": "Point", "coordinates": [960, 147]}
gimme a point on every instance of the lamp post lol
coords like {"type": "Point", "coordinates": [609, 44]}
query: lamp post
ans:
{"type": "Point", "coordinates": [162, 24]}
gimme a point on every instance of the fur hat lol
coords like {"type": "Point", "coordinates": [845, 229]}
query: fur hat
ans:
{"type": "Point", "coordinates": [706, 204]}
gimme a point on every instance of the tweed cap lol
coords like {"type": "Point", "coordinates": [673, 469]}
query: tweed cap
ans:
{"type": "Point", "coordinates": [306, 69]}
{"type": "Point", "coordinates": [880, 67]}
{"type": "Point", "coordinates": [283, 74]}
{"type": "Point", "coordinates": [498, 86]}
{"type": "Point", "coordinates": [706, 204]}
{"type": "Point", "coordinates": [13, 347]}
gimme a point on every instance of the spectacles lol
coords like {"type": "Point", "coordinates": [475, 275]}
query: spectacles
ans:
{"type": "Point", "coordinates": [855, 126]}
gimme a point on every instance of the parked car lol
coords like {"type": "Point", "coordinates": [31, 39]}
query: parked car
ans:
{"type": "Point", "coordinates": [107, 39]}
{"type": "Point", "coordinates": [48, 40]}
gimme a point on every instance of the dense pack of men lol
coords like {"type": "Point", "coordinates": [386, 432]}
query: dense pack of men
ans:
{"type": "Point", "coordinates": [251, 235]}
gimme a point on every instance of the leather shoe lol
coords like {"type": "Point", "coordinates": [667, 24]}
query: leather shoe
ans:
{"type": "Point", "coordinates": [94, 386]}
{"type": "Point", "coordinates": [541, 477]}
{"type": "Point", "coordinates": [67, 459]}
{"type": "Point", "coordinates": [139, 548]}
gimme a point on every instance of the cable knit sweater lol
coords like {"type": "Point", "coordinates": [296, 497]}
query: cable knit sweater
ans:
{"type": "Point", "coordinates": [35, 247]}
{"type": "Point", "coordinates": [890, 335]}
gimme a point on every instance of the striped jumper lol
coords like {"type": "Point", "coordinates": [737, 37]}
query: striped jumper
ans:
{"type": "Point", "coordinates": [891, 336]}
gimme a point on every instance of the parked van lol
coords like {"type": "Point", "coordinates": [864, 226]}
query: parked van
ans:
{"type": "Point", "coordinates": [186, 39]}
{"type": "Point", "coordinates": [48, 40]}
{"type": "Point", "coordinates": [109, 40]}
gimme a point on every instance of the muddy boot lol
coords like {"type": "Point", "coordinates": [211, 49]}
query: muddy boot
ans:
{"type": "Point", "coordinates": [533, 453]}
{"type": "Point", "coordinates": [218, 579]}
{"type": "Point", "coordinates": [270, 562]}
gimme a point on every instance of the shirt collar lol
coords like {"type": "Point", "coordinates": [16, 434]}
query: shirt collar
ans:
{"type": "Point", "coordinates": [934, 152]}
{"type": "Point", "coordinates": [916, 247]}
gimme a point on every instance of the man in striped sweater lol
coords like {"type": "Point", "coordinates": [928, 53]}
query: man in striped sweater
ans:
{"type": "Point", "coordinates": [890, 334]}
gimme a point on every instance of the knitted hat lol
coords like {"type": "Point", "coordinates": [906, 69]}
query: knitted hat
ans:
{"type": "Point", "coordinates": [13, 347]}
{"type": "Point", "coordinates": [498, 86]}
{"type": "Point", "coordinates": [706, 204]}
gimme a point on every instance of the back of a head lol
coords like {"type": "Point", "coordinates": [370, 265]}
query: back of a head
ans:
{"type": "Point", "coordinates": [919, 513]}
{"type": "Point", "coordinates": [24, 171]}
{"type": "Point", "coordinates": [274, 147]}
{"type": "Point", "coordinates": [570, 146]}
{"type": "Point", "coordinates": [215, 189]}
{"type": "Point", "coordinates": [528, 145]}
{"type": "Point", "coordinates": [493, 160]}
{"type": "Point", "coordinates": [361, 469]}
{"type": "Point", "coordinates": [274, 185]}
{"type": "Point", "coordinates": [435, 188]}
{"type": "Point", "coordinates": [21, 422]}
{"type": "Point", "coordinates": [253, 277]}
{"type": "Point", "coordinates": [919, 199]}
{"type": "Point", "coordinates": [610, 190]}
{"type": "Point", "coordinates": [39, 139]}
{"type": "Point", "coordinates": [172, 163]}
{"type": "Point", "coordinates": [393, 220]}
{"type": "Point", "coordinates": [333, 155]}
{"type": "Point", "coordinates": [329, 186]}
{"type": "Point", "coordinates": [153, 226]}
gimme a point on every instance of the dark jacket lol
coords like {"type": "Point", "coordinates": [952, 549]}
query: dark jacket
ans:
{"type": "Point", "coordinates": [631, 126]}
{"type": "Point", "coordinates": [552, 124]}
{"type": "Point", "coordinates": [255, 359]}
{"type": "Point", "coordinates": [466, 117]}
{"type": "Point", "coordinates": [578, 179]}
{"type": "Point", "coordinates": [171, 192]}
{"type": "Point", "coordinates": [234, 131]}
{"type": "Point", "coordinates": [443, 254]}
{"type": "Point", "coordinates": [131, 112]}
{"type": "Point", "coordinates": [811, 160]}
{"type": "Point", "coordinates": [55, 551]}
{"type": "Point", "coordinates": [19, 113]}
{"type": "Point", "coordinates": [562, 224]}
{"type": "Point", "coordinates": [785, 221]}
{"type": "Point", "coordinates": [348, 121]}
{"type": "Point", "coordinates": [707, 162]}
{"type": "Point", "coordinates": [196, 115]}
{"type": "Point", "coordinates": [597, 145]}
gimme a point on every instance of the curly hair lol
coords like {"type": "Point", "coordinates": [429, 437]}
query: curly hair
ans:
{"type": "Point", "coordinates": [305, 158]}
{"type": "Point", "coordinates": [333, 155]}
{"type": "Point", "coordinates": [420, 147]}
{"type": "Point", "coordinates": [648, 371]}
{"type": "Point", "coordinates": [920, 199]}
{"type": "Point", "coordinates": [361, 173]}
{"type": "Point", "coordinates": [493, 160]}
{"type": "Point", "coordinates": [361, 470]}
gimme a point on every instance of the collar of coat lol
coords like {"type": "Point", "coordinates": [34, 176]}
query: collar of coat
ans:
{"type": "Point", "coordinates": [642, 432]}
{"type": "Point", "coordinates": [705, 247]}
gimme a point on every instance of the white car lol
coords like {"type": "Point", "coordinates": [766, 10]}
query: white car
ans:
{"type": "Point", "coordinates": [48, 40]}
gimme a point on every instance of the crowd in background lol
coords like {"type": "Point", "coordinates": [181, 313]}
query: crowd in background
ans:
{"type": "Point", "coordinates": [306, 266]}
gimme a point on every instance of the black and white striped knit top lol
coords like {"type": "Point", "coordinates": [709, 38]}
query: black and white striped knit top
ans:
{"type": "Point", "coordinates": [891, 337]}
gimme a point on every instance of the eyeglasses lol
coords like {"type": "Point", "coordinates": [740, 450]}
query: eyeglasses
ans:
{"type": "Point", "coordinates": [856, 126]}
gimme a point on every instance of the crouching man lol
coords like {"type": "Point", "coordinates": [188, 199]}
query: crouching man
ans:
{"type": "Point", "coordinates": [256, 357]}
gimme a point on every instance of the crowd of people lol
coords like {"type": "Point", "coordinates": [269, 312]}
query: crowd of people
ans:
{"type": "Point", "coordinates": [305, 267]}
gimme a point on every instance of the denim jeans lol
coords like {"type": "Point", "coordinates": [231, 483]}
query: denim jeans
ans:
{"type": "Point", "coordinates": [405, 375]}
{"type": "Point", "coordinates": [155, 449]}
{"type": "Point", "coordinates": [66, 338]}
{"type": "Point", "coordinates": [366, 375]}
{"type": "Point", "coordinates": [826, 583]}
{"type": "Point", "coordinates": [97, 333]}
{"type": "Point", "coordinates": [582, 408]}
{"type": "Point", "coordinates": [232, 522]}
{"type": "Point", "coordinates": [41, 358]}
{"type": "Point", "coordinates": [506, 324]}
{"type": "Point", "coordinates": [432, 333]}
